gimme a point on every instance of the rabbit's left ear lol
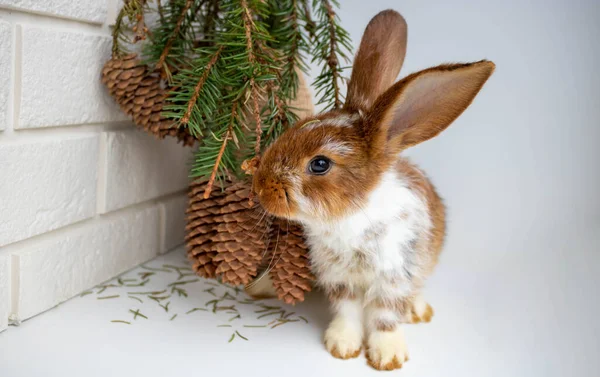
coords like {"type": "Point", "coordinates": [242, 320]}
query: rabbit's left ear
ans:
{"type": "Point", "coordinates": [424, 104]}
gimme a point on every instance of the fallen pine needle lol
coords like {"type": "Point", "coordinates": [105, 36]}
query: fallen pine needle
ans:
{"type": "Point", "coordinates": [107, 297]}
{"type": "Point", "coordinates": [268, 314]}
{"type": "Point", "coordinates": [183, 282]}
{"type": "Point", "coordinates": [196, 309]}
{"type": "Point", "coordinates": [136, 298]}
{"type": "Point", "coordinates": [137, 313]}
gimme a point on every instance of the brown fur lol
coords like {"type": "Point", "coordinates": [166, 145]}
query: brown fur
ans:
{"type": "Point", "coordinates": [394, 364]}
{"type": "Point", "coordinates": [335, 353]}
{"type": "Point", "coordinates": [419, 182]}
{"type": "Point", "coordinates": [381, 51]}
{"type": "Point", "coordinates": [340, 292]}
{"type": "Point", "coordinates": [385, 325]}
{"type": "Point", "coordinates": [401, 305]}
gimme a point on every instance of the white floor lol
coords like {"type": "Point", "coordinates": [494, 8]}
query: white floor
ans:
{"type": "Point", "coordinates": [482, 327]}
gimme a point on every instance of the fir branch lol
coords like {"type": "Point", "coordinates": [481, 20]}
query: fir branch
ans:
{"type": "Point", "coordinates": [163, 55]}
{"type": "Point", "coordinates": [140, 28]}
{"type": "Point", "coordinates": [197, 93]}
{"type": "Point", "coordinates": [213, 175]}
{"type": "Point", "coordinates": [291, 42]}
{"type": "Point", "coordinates": [332, 44]}
{"type": "Point", "coordinates": [248, 26]}
{"type": "Point", "coordinates": [248, 29]}
{"type": "Point", "coordinates": [116, 32]}
{"type": "Point", "coordinates": [332, 60]}
{"type": "Point", "coordinates": [132, 9]}
{"type": "Point", "coordinates": [256, 113]}
{"type": "Point", "coordinates": [278, 115]}
{"type": "Point", "coordinates": [210, 22]}
{"type": "Point", "coordinates": [160, 10]}
{"type": "Point", "coordinates": [186, 117]}
{"type": "Point", "coordinates": [310, 24]}
{"type": "Point", "coordinates": [232, 68]}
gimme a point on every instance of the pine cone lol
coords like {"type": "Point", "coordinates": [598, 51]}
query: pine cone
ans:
{"type": "Point", "coordinates": [231, 239]}
{"type": "Point", "coordinates": [291, 273]}
{"type": "Point", "coordinates": [141, 95]}
{"type": "Point", "coordinates": [226, 236]}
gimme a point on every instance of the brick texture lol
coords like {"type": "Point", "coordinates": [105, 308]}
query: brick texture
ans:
{"type": "Point", "coordinates": [173, 211]}
{"type": "Point", "coordinates": [45, 185]}
{"type": "Point", "coordinates": [140, 168]}
{"type": "Point", "coordinates": [61, 79]}
{"type": "Point", "coordinates": [4, 291]}
{"type": "Point", "coordinates": [93, 11]}
{"type": "Point", "coordinates": [59, 269]}
{"type": "Point", "coordinates": [5, 70]}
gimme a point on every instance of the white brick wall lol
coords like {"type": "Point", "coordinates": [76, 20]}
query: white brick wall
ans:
{"type": "Point", "coordinates": [133, 151]}
{"type": "Point", "coordinates": [4, 290]}
{"type": "Point", "coordinates": [84, 10]}
{"type": "Point", "coordinates": [46, 184]}
{"type": "Point", "coordinates": [5, 53]}
{"type": "Point", "coordinates": [174, 217]}
{"type": "Point", "coordinates": [83, 194]}
{"type": "Point", "coordinates": [57, 63]}
{"type": "Point", "coordinates": [69, 263]}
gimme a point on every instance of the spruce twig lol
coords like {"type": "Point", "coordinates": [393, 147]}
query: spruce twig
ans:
{"type": "Point", "coordinates": [161, 13]}
{"type": "Point", "coordinates": [116, 32]}
{"type": "Point", "coordinates": [332, 60]}
{"type": "Point", "coordinates": [332, 43]}
{"type": "Point", "coordinates": [310, 26]}
{"type": "Point", "coordinates": [163, 56]}
{"type": "Point", "coordinates": [248, 25]}
{"type": "Point", "coordinates": [140, 28]}
{"type": "Point", "coordinates": [186, 117]}
{"type": "Point", "coordinates": [213, 175]}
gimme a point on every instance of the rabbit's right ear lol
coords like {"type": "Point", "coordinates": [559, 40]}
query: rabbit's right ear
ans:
{"type": "Point", "coordinates": [378, 61]}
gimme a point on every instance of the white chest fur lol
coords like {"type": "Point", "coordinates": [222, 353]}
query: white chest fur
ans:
{"type": "Point", "coordinates": [377, 241]}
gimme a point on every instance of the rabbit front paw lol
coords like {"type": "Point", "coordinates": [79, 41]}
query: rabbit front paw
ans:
{"type": "Point", "coordinates": [342, 340]}
{"type": "Point", "coordinates": [387, 349]}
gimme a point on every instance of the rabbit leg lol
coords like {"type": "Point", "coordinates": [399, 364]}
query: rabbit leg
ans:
{"type": "Point", "coordinates": [420, 311]}
{"type": "Point", "coordinates": [386, 347]}
{"type": "Point", "coordinates": [344, 335]}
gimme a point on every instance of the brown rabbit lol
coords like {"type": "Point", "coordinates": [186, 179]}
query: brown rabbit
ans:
{"type": "Point", "coordinates": [374, 222]}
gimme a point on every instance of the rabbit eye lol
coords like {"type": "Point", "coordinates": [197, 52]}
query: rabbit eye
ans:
{"type": "Point", "coordinates": [319, 165]}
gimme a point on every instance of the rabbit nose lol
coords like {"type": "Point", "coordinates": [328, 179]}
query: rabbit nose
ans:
{"type": "Point", "coordinates": [275, 187]}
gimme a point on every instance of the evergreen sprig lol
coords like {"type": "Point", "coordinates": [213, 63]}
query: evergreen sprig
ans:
{"type": "Point", "coordinates": [132, 11]}
{"type": "Point", "coordinates": [332, 44]}
{"type": "Point", "coordinates": [232, 68]}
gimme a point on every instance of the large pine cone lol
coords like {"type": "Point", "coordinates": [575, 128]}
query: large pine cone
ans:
{"type": "Point", "coordinates": [230, 239]}
{"type": "Point", "coordinates": [290, 274]}
{"type": "Point", "coordinates": [140, 94]}
{"type": "Point", "coordinates": [226, 236]}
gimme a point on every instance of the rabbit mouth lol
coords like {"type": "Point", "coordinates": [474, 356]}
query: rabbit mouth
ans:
{"type": "Point", "coordinates": [279, 208]}
{"type": "Point", "coordinates": [275, 199]}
